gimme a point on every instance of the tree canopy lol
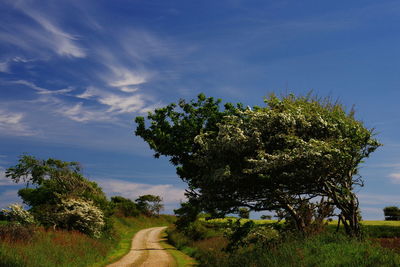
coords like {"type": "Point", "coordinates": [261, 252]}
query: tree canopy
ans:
{"type": "Point", "coordinates": [59, 195]}
{"type": "Point", "coordinates": [284, 156]}
{"type": "Point", "coordinates": [150, 204]}
{"type": "Point", "coordinates": [392, 213]}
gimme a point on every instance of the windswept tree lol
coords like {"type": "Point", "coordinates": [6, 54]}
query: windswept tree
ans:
{"type": "Point", "coordinates": [282, 157]}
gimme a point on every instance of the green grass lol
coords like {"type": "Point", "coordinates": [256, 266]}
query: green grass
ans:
{"type": "Point", "coordinates": [325, 249]}
{"type": "Point", "coordinates": [48, 248]}
{"type": "Point", "coordinates": [52, 248]}
{"type": "Point", "coordinates": [321, 250]}
{"type": "Point", "coordinates": [181, 259]}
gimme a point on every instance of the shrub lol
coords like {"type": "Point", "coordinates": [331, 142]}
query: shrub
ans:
{"type": "Point", "coordinates": [124, 206]}
{"type": "Point", "coordinates": [392, 213]}
{"type": "Point", "coordinates": [18, 214]}
{"type": "Point", "coordinates": [75, 214]}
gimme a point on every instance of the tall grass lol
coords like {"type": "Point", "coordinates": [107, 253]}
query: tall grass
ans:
{"type": "Point", "coordinates": [325, 249]}
{"type": "Point", "coordinates": [49, 248]}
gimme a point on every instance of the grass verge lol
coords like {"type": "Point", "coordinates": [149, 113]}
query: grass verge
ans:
{"type": "Point", "coordinates": [125, 229]}
{"type": "Point", "coordinates": [37, 246]}
{"type": "Point", "coordinates": [181, 259]}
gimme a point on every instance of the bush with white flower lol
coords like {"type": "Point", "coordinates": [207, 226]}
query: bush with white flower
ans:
{"type": "Point", "coordinates": [79, 214]}
{"type": "Point", "coordinates": [16, 213]}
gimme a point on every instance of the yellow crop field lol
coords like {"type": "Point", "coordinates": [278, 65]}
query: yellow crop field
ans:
{"type": "Point", "coordinates": [334, 222]}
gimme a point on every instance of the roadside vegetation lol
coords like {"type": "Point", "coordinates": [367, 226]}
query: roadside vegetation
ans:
{"type": "Point", "coordinates": [67, 220]}
{"type": "Point", "coordinates": [297, 157]}
{"type": "Point", "coordinates": [260, 243]}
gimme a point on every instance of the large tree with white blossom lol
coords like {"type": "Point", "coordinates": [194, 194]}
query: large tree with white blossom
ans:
{"type": "Point", "coordinates": [281, 157]}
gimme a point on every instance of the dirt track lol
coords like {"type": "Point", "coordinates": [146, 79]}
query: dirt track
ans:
{"type": "Point", "coordinates": [146, 251]}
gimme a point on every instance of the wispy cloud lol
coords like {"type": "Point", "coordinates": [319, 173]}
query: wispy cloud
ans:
{"type": "Point", "coordinates": [48, 34]}
{"type": "Point", "coordinates": [11, 123]}
{"type": "Point", "coordinates": [41, 90]}
{"type": "Point", "coordinates": [123, 77]}
{"type": "Point", "coordinates": [79, 113]}
{"type": "Point", "coordinates": [117, 103]}
{"type": "Point", "coordinates": [395, 177]}
{"type": "Point", "coordinates": [6, 65]}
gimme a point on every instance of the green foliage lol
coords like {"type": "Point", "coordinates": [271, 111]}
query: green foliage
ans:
{"type": "Point", "coordinates": [264, 246]}
{"type": "Point", "coordinates": [277, 157]}
{"type": "Point", "coordinates": [244, 213]}
{"type": "Point", "coordinates": [31, 246]}
{"type": "Point", "coordinates": [124, 206]}
{"type": "Point", "coordinates": [17, 214]}
{"type": "Point", "coordinates": [187, 214]}
{"type": "Point", "coordinates": [150, 205]}
{"type": "Point", "coordinates": [173, 128]}
{"type": "Point", "coordinates": [78, 214]}
{"type": "Point", "coordinates": [392, 213]}
{"type": "Point", "coordinates": [266, 217]}
{"type": "Point", "coordinates": [47, 248]}
{"type": "Point", "coordinates": [61, 196]}
{"type": "Point", "coordinates": [54, 179]}
{"type": "Point", "coordinates": [320, 250]}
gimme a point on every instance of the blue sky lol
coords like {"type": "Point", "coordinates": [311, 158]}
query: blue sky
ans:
{"type": "Point", "coordinates": [74, 74]}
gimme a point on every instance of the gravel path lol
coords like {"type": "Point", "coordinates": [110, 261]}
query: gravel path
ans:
{"type": "Point", "coordinates": [146, 251]}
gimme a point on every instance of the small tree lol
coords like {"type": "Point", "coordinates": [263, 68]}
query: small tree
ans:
{"type": "Point", "coordinates": [124, 206]}
{"type": "Point", "coordinates": [392, 213]}
{"type": "Point", "coordinates": [150, 204]}
{"type": "Point", "coordinates": [266, 217]}
{"type": "Point", "coordinates": [244, 213]}
{"type": "Point", "coordinates": [61, 196]}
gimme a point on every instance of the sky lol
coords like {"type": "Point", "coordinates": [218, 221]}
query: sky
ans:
{"type": "Point", "coordinates": [74, 74]}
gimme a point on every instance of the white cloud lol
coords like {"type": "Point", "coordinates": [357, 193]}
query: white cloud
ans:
{"type": "Point", "coordinates": [123, 77]}
{"type": "Point", "coordinates": [61, 42]}
{"type": "Point", "coordinates": [80, 114]}
{"type": "Point", "coordinates": [11, 123]}
{"type": "Point", "coordinates": [9, 197]}
{"type": "Point", "coordinates": [169, 193]}
{"type": "Point", "coordinates": [41, 90]}
{"type": "Point", "coordinates": [48, 35]}
{"type": "Point", "coordinates": [117, 103]}
{"type": "Point", "coordinates": [4, 67]}
{"type": "Point", "coordinates": [121, 104]}
{"type": "Point", "coordinates": [128, 89]}
{"type": "Point", "coordinates": [395, 177]}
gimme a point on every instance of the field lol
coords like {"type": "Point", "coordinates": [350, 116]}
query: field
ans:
{"type": "Point", "coordinates": [233, 219]}
{"type": "Point", "coordinates": [207, 241]}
